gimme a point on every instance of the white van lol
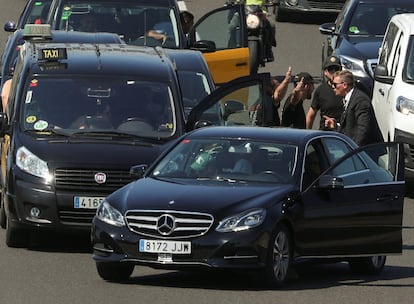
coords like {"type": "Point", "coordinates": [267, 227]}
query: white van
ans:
{"type": "Point", "coordinates": [393, 95]}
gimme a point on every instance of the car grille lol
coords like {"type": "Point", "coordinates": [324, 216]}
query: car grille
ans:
{"type": "Point", "coordinates": [167, 224]}
{"type": "Point", "coordinates": [82, 182]}
{"type": "Point", "coordinates": [327, 5]}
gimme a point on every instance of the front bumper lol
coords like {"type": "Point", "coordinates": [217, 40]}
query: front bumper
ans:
{"type": "Point", "coordinates": [57, 210]}
{"type": "Point", "coordinates": [316, 6]}
{"type": "Point", "coordinates": [241, 250]}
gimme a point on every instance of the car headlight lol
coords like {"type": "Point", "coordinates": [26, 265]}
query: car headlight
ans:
{"type": "Point", "coordinates": [405, 105]}
{"type": "Point", "coordinates": [242, 221]}
{"type": "Point", "coordinates": [354, 65]}
{"type": "Point", "coordinates": [108, 214]}
{"type": "Point", "coordinates": [30, 163]}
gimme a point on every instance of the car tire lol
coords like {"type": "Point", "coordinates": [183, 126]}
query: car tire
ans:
{"type": "Point", "coordinates": [16, 237]}
{"type": "Point", "coordinates": [115, 271]}
{"type": "Point", "coordinates": [279, 257]}
{"type": "Point", "coordinates": [2, 212]}
{"type": "Point", "coordinates": [281, 15]}
{"type": "Point", "coordinates": [368, 265]}
{"type": "Point", "coordinates": [254, 56]}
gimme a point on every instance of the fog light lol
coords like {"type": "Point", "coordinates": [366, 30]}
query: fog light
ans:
{"type": "Point", "coordinates": [34, 212]}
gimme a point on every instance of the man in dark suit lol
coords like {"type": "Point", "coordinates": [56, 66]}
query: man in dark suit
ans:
{"type": "Point", "coordinates": [358, 119]}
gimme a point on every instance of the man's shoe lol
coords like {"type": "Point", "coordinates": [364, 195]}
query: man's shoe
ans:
{"type": "Point", "coordinates": [270, 57]}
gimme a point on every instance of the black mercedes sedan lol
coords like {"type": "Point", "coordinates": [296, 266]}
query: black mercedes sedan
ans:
{"type": "Point", "coordinates": [255, 198]}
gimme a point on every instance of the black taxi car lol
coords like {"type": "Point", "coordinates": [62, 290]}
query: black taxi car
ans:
{"type": "Point", "coordinates": [79, 115]}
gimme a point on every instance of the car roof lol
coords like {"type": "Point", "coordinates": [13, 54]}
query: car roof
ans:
{"type": "Point", "coordinates": [406, 21]}
{"type": "Point", "coordinates": [287, 135]}
{"type": "Point", "coordinates": [106, 59]}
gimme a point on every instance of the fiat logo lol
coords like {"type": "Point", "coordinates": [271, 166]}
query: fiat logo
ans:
{"type": "Point", "coordinates": [100, 178]}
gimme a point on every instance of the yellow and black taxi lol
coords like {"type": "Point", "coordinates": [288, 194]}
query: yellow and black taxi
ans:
{"type": "Point", "coordinates": [220, 34]}
{"type": "Point", "coordinates": [79, 115]}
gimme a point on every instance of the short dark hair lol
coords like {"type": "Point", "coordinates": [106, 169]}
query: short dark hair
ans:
{"type": "Point", "coordinates": [186, 15]}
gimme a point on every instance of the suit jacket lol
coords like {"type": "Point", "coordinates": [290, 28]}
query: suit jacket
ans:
{"type": "Point", "coordinates": [358, 120]}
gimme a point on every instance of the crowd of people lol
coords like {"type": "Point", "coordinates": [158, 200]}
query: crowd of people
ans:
{"type": "Point", "coordinates": [342, 106]}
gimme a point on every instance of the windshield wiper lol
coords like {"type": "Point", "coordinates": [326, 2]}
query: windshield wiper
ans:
{"type": "Point", "coordinates": [50, 132]}
{"type": "Point", "coordinates": [221, 179]}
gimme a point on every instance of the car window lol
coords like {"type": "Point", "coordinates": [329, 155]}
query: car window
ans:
{"type": "Point", "coordinates": [194, 87]}
{"type": "Point", "coordinates": [229, 159]}
{"type": "Point", "coordinates": [38, 12]}
{"type": "Point", "coordinates": [93, 103]}
{"type": "Point", "coordinates": [336, 149]}
{"type": "Point", "coordinates": [373, 164]}
{"type": "Point", "coordinates": [231, 35]}
{"type": "Point", "coordinates": [137, 24]}
{"type": "Point", "coordinates": [408, 75]}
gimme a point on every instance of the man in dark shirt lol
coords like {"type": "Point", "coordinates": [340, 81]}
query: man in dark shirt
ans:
{"type": "Point", "coordinates": [324, 98]}
{"type": "Point", "coordinates": [293, 114]}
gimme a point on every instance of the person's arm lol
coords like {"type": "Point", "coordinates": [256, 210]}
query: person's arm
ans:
{"type": "Point", "coordinates": [296, 95]}
{"type": "Point", "coordinates": [310, 117]}
{"type": "Point", "coordinates": [5, 91]}
{"type": "Point", "coordinates": [281, 90]}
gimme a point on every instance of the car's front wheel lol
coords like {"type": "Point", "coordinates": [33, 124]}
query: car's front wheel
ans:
{"type": "Point", "coordinates": [368, 265]}
{"type": "Point", "coordinates": [114, 271]}
{"type": "Point", "coordinates": [16, 237]}
{"type": "Point", "coordinates": [279, 257]}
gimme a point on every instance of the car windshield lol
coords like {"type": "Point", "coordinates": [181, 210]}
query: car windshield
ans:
{"type": "Point", "coordinates": [408, 75]}
{"type": "Point", "coordinates": [229, 160]}
{"type": "Point", "coordinates": [38, 12]}
{"type": "Point", "coordinates": [371, 19]}
{"type": "Point", "coordinates": [73, 104]}
{"type": "Point", "coordinates": [137, 24]}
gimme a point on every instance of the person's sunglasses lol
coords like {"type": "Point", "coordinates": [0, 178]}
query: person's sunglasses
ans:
{"type": "Point", "coordinates": [334, 84]}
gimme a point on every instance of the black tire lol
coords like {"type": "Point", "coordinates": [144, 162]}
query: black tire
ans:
{"type": "Point", "coordinates": [2, 212]}
{"type": "Point", "coordinates": [368, 265]}
{"type": "Point", "coordinates": [115, 271]}
{"type": "Point", "coordinates": [279, 257]}
{"type": "Point", "coordinates": [16, 237]}
{"type": "Point", "coordinates": [254, 56]}
{"type": "Point", "coordinates": [281, 15]}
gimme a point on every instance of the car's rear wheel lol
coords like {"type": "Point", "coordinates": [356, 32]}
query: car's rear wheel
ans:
{"type": "Point", "coordinates": [279, 257]}
{"type": "Point", "coordinates": [2, 211]}
{"type": "Point", "coordinates": [16, 237]}
{"type": "Point", "coordinates": [254, 56]}
{"type": "Point", "coordinates": [368, 265]}
{"type": "Point", "coordinates": [115, 271]}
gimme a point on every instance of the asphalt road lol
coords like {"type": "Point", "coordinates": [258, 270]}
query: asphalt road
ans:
{"type": "Point", "coordinates": [59, 268]}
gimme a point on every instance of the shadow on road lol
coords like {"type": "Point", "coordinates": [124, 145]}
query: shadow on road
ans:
{"type": "Point", "coordinates": [308, 277]}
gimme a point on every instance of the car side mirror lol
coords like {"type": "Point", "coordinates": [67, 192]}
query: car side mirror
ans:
{"type": "Point", "coordinates": [138, 171]}
{"type": "Point", "coordinates": [330, 182]}
{"type": "Point", "coordinates": [327, 28]}
{"type": "Point", "coordinates": [381, 75]}
{"type": "Point", "coordinates": [204, 46]}
{"type": "Point", "coordinates": [10, 26]}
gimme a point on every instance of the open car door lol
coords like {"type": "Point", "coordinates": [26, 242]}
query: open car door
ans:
{"type": "Point", "coordinates": [228, 55]}
{"type": "Point", "coordinates": [366, 185]}
{"type": "Point", "coordinates": [242, 101]}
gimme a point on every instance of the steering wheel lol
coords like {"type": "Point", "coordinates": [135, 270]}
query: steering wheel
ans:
{"type": "Point", "coordinates": [133, 123]}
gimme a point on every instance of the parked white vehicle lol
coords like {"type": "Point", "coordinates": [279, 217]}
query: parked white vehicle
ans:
{"type": "Point", "coordinates": [393, 94]}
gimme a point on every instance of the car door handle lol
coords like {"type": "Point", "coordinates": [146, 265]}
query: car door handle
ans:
{"type": "Point", "coordinates": [388, 197]}
{"type": "Point", "coordinates": [241, 64]}
{"type": "Point", "coordinates": [381, 91]}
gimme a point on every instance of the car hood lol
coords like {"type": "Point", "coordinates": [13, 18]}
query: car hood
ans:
{"type": "Point", "coordinates": [210, 197]}
{"type": "Point", "coordinates": [90, 152]}
{"type": "Point", "coordinates": [362, 48]}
